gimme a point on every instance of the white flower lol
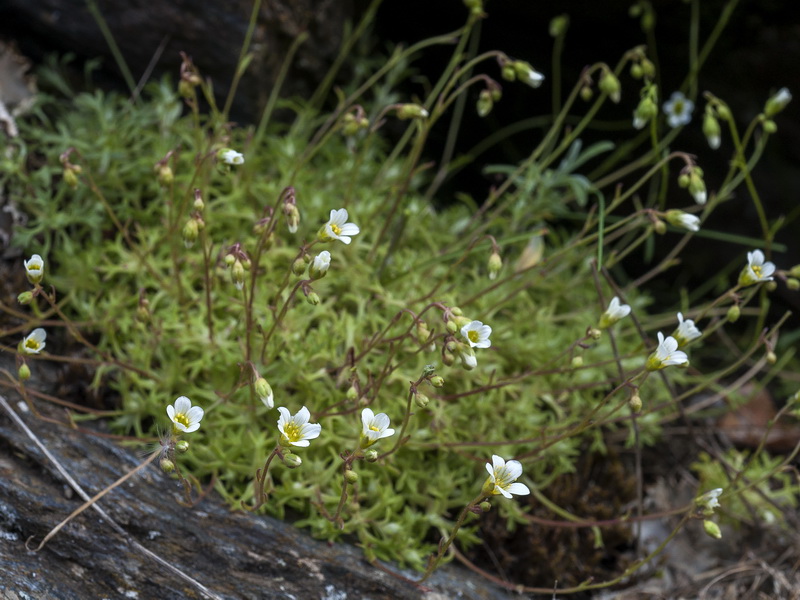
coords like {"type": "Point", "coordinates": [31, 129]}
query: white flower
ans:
{"type": "Point", "coordinates": [321, 264]}
{"type": "Point", "coordinates": [756, 270]}
{"type": "Point", "coordinates": [296, 430]}
{"type": "Point", "coordinates": [264, 391]}
{"type": "Point", "coordinates": [477, 334]}
{"type": "Point", "coordinates": [34, 268]}
{"type": "Point", "coordinates": [374, 427]}
{"type": "Point", "coordinates": [185, 417]}
{"type": "Point", "coordinates": [502, 475]}
{"type": "Point", "coordinates": [666, 355]}
{"type": "Point", "coordinates": [686, 331]}
{"type": "Point", "coordinates": [614, 313]}
{"type": "Point", "coordinates": [34, 343]}
{"type": "Point", "coordinates": [468, 358]}
{"type": "Point", "coordinates": [527, 74]}
{"type": "Point", "coordinates": [231, 157]}
{"type": "Point", "coordinates": [678, 218]}
{"type": "Point", "coordinates": [678, 109]}
{"type": "Point", "coordinates": [337, 227]}
{"type": "Point", "coordinates": [709, 501]}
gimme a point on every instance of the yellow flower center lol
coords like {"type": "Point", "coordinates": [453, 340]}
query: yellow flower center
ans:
{"type": "Point", "coordinates": [373, 428]}
{"type": "Point", "coordinates": [756, 270]}
{"type": "Point", "coordinates": [32, 344]}
{"type": "Point", "coordinates": [182, 419]}
{"type": "Point", "coordinates": [677, 108]}
{"type": "Point", "coordinates": [473, 336]}
{"type": "Point", "coordinates": [292, 432]}
{"type": "Point", "coordinates": [336, 229]}
{"type": "Point", "coordinates": [33, 268]}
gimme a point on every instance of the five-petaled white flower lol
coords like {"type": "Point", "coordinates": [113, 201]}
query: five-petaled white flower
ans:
{"type": "Point", "coordinates": [678, 109]}
{"type": "Point", "coordinates": [321, 264]}
{"type": "Point", "coordinates": [374, 427]}
{"type": "Point", "coordinates": [231, 157]}
{"type": "Point", "coordinates": [34, 268]}
{"type": "Point", "coordinates": [678, 218]}
{"type": "Point", "coordinates": [34, 342]}
{"type": "Point", "coordinates": [296, 430]}
{"type": "Point", "coordinates": [477, 334]}
{"type": "Point", "coordinates": [502, 475]}
{"type": "Point", "coordinates": [666, 355]}
{"type": "Point", "coordinates": [756, 270]}
{"type": "Point", "coordinates": [614, 313]}
{"type": "Point", "coordinates": [337, 228]}
{"type": "Point", "coordinates": [686, 331]}
{"type": "Point", "coordinates": [185, 417]}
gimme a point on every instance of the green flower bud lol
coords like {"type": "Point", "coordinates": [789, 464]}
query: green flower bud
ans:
{"type": "Point", "coordinates": [636, 71]}
{"type": "Point", "coordinates": [485, 506]}
{"type": "Point", "coordinates": [711, 130]}
{"type": "Point", "coordinates": [495, 264]}
{"type": "Point", "coordinates": [313, 299]}
{"type": "Point", "coordinates": [586, 93]}
{"type": "Point", "coordinates": [371, 455]}
{"type": "Point", "coordinates": [769, 126]}
{"type": "Point", "coordinates": [411, 111]}
{"type": "Point", "coordinates": [723, 112]}
{"type": "Point", "coordinates": [635, 402]}
{"type": "Point", "coordinates": [448, 358]}
{"type": "Point", "coordinates": [451, 326]}
{"type": "Point", "coordinates": [660, 227]}
{"type": "Point", "coordinates": [771, 357]}
{"type": "Point", "coordinates": [712, 529]}
{"type": "Point", "coordinates": [457, 311]}
{"type": "Point", "coordinates": [771, 286]}
{"type": "Point", "coordinates": [595, 333]}
{"type": "Point", "coordinates": [609, 84]}
{"type": "Point", "coordinates": [25, 298]}
{"type": "Point", "coordinates": [182, 447]}
{"type": "Point", "coordinates": [352, 393]}
{"type": "Point", "coordinates": [577, 362]}
{"type": "Point", "coordinates": [237, 274]}
{"type": "Point", "coordinates": [229, 260]}
{"type": "Point", "coordinates": [437, 381]}
{"type": "Point", "coordinates": [733, 313]}
{"type": "Point", "coordinates": [793, 284]}
{"type": "Point", "coordinates": [24, 372]}
{"type": "Point", "coordinates": [508, 72]}
{"type": "Point", "coordinates": [350, 476]}
{"type": "Point", "coordinates": [70, 177]}
{"type": "Point", "coordinates": [190, 233]}
{"type": "Point", "coordinates": [485, 103]}
{"type": "Point", "coordinates": [558, 25]}
{"type": "Point", "coordinates": [292, 460]}
{"type": "Point", "coordinates": [299, 267]}
{"type": "Point", "coordinates": [167, 465]}
{"type": "Point", "coordinates": [648, 68]}
{"type": "Point", "coordinates": [777, 102]}
{"type": "Point", "coordinates": [527, 74]}
{"type": "Point", "coordinates": [421, 399]}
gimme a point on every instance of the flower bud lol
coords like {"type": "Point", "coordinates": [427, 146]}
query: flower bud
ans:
{"type": "Point", "coordinates": [24, 372]}
{"type": "Point", "coordinates": [475, 7]}
{"type": "Point", "coordinates": [190, 233]}
{"type": "Point", "coordinates": [771, 286]}
{"type": "Point", "coordinates": [352, 393]}
{"type": "Point", "coordinates": [577, 362]}
{"type": "Point", "coordinates": [792, 283]}
{"type": "Point", "coordinates": [635, 402]}
{"type": "Point", "coordinates": [371, 455]}
{"type": "Point", "coordinates": [165, 175]}
{"type": "Point", "coordinates": [508, 72]}
{"type": "Point", "coordinates": [264, 391]}
{"type": "Point", "coordinates": [644, 112]}
{"type": "Point", "coordinates": [448, 358]}
{"type": "Point", "coordinates": [712, 529]}
{"type": "Point", "coordinates": [350, 125]}
{"type": "Point", "coordinates": [292, 460]}
{"type": "Point", "coordinates": [711, 129]}
{"type": "Point", "coordinates": [733, 313]}
{"type": "Point", "coordinates": [350, 476]}
{"type": "Point", "coordinates": [313, 299]}
{"type": "Point", "coordinates": [609, 84]}
{"type": "Point", "coordinates": [769, 126]}
{"type": "Point", "coordinates": [485, 103]}
{"type": "Point", "coordinates": [495, 264]}
{"type": "Point", "coordinates": [486, 506]}
{"type": "Point", "coordinates": [586, 93]}
{"type": "Point", "coordinates": [167, 465]}
{"type": "Point", "coordinates": [299, 267]}
{"type": "Point", "coordinates": [319, 268]}
{"type": "Point", "coordinates": [777, 102]}
{"type": "Point", "coordinates": [237, 274]}
{"type": "Point", "coordinates": [595, 333]}
{"type": "Point", "coordinates": [25, 298]}
{"type": "Point", "coordinates": [451, 326]}
{"type": "Point", "coordinates": [771, 357]}
{"type": "Point", "coordinates": [230, 157]}
{"type": "Point", "coordinates": [411, 111]}
{"type": "Point", "coordinates": [229, 260]}
{"type": "Point", "coordinates": [292, 216]}
{"type": "Point", "coordinates": [421, 399]}
{"type": "Point", "coordinates": [660, 227]}
{"type": "Point", "coordinates": [527, 74]}
{"type": "Point", "coordinates": [437, 381]}
{"type": "Point", "coordinates": [70, 176]}
{"type": "Point", "coordinates": [182, 447]}
{"type": "Point", "coordinates": [697, 187]}
{"type": "Point", "coordinates": [636, 71]}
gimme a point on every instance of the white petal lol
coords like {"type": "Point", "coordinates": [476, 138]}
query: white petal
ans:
{"type": "Point", "coordinates": [302, 416]}
{"type": "Point", "coordinates": [366, 418]}
{"type": "Point", "coordinates": [182, 405]}
{"type": "Point", "coordinates": [520, 489]}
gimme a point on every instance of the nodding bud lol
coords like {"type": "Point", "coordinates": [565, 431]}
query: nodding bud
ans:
{"type": "Point", "coordinates": [712, 529]}
{"type": "Point", "coordinates": [167, 465]}
{"type": "Point", "coordinates": [733, 313]}
{"type": "Point", "coordinates": [70, 175]}
{"type": "Point", "coordinates": [485, 506]}
{"type": "Point", "coordinates": [635, 402]}
{"type": "Point", "coordinates": [371, 455]}
{"type": "Point", "coordinates": [313, 299]}
{"type": "Point", "coordinates": [609, 84]}
{"type": "Point", "coordinates": [25, 298]}
{"type": "Point", "coordinates": [421, 399]}
{"type": "Point", "coordinates": [24, 372]}
{"type": "Point", "coordinates": [448, 358]}
{"type": "Point", "coordinates": [292, 216]}
{"type": "Point", "coordinates": [411, 111]}
{"type": "Point", "coordinates": [437, 381]}
{"type": "Point", "coordinates": [190, 233]}
{"type": "Point", "coordinates": [660, 227]}
{"type": "Point", "coordinates": [350, 476]}
{"type": "Point", "coordinates": [495, 264]}
{"type": "Point", "coordinates": [299, 266]}
{"type": "Point", "coordinates": [777, 102]}
{"type": "Point", "coordinates": [577, 362]}
{"type": "Point", "coordinates": [165, 175]}
{"type": "Point", "coordinates": [485, 103]}
{"type": "Point", "coordinates": [182, 447]}
{"type": "Point", "coordinates": [711, 129]}
{"type": "Point", "coordinates": [292, 460]}
{"type": "Point", "coordinates": [237, 274]}
{"type": "Point", "coordinates": [771, 357]}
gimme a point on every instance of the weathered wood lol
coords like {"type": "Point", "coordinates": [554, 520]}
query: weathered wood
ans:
{"type": "Point", "coordinates": [236, 555]}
